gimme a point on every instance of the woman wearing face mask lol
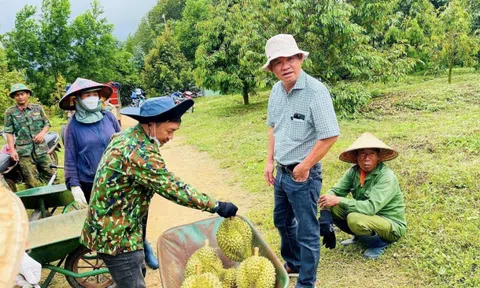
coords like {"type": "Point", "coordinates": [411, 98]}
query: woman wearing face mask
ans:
{"type": "Point", "coordinates": [87, 134]}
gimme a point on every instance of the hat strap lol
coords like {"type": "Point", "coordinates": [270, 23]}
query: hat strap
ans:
{"type": "Point", "coordinates": [72, 99]}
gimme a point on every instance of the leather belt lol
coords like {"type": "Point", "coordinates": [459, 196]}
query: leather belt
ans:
{"type": "Point", "coordinates": [287, 168]}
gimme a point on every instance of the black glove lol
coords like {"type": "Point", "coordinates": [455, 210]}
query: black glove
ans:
{"type": "Point", "coordinates": [226, 209]}
{"type": "Point", "coordinates": [326, 229]}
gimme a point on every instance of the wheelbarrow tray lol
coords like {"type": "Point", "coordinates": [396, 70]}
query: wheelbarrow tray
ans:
{"type": "Point", "coordinates": [52, 195]}
{"type": "Point", "coordinates": [53, 238]}
{"type": "Point", "coordinates": [177, 244]}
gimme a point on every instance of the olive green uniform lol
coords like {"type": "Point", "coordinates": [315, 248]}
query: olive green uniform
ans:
{"type": "Point", "coordinates": [25, 123]}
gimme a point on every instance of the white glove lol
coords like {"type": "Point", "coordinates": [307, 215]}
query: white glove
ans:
{"type": "Point", "coordinates": [78, 195]}
{"type": "Point", "coordinates": [31, 272]}
{"type": "Point", "coordinates": [20, 281]}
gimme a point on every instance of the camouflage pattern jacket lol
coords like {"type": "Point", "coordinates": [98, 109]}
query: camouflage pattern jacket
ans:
{"type": "Point", "coordinates": [130, 172]}
{"type": "Point", "coordinates": [25, 124]}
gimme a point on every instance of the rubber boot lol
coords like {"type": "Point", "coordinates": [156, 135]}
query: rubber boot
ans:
{"type": "Point", "coordinates": [375, 245]}
{"type": "Point", "coordinates": [351, 241]}
{"type": "Point", "coordinates": [150, 258]}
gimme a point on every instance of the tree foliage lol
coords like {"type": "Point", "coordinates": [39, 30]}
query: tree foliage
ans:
{"type": "Point", "coordinates": [48, 47]}
{"type": "Point", "coordinates": [7, 79]}
{"type": "Point", "coordinates": [231, 47]}
{"type": "Point", "coordinates": [187, 31]}
{"type": "Point", "coordinates": [455, 45]}
{"type": "Point", "coordinates": [94, 46]}
{"type": "Point", "coordinates": [166, 68]}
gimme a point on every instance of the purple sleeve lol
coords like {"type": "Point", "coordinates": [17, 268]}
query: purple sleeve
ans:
{"type": "Point", "coordinates": [70, 163]}
{"type": "Point", "coordinates": [116, 125]}
{"type": "Point", "coordinates": [113, 119]}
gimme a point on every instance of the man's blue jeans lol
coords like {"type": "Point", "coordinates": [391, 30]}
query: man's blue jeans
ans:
{"type": "Point", "coordinates": [295, 216]}
{"type": "Point", "coordinates": [127, 269]}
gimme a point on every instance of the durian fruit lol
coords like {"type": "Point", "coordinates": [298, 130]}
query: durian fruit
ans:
{"type": "Point", "coordinates": [256, 271]}
{"type": "Point", "coordinates": [206, 280]}
{"type": "Point", "coordinates": [228, 278]}
{"type": "Point", "coordinates": [207, 259]}
{"type": "Point", "coordinates": [235, 237]}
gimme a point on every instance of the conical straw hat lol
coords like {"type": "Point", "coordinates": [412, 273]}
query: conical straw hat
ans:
{"type": "Point", "coordinates": [13, 235]}
{"type": "Point", "coordinates": [367, 140]}
{"type": "Point", "coordinates": [81, 84]}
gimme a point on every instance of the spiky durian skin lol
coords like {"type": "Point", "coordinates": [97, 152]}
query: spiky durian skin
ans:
{"type": "Point", "coordinates": [256, 271]}
{"type": "Point", "coordinates": [229, 278]}
{"type": "Point", "coordinates": [234, 237]}
{"type": "Point", "coordinates": [207, 259]}
{"type": "Point", "coordinates": [206, 280]}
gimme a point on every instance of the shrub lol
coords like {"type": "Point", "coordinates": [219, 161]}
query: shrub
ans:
{"type": "Point", "coordinates": [348, 99]}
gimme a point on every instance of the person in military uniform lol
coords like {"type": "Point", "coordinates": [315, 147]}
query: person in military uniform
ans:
{"type": "Point", "coordinates": [130, 172]}
{"type": "Point", "coordinates": [28, 123]}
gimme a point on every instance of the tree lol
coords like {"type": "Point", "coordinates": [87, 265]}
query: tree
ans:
{"type": "Point", "coordinates": [186, 30]}
{"type": "Point", "coordinates": [56, 95]}
{"type": "Point", "coordinates": [374, 17]}
{"type": "Point", "coordinates": [166, 68]}
{"type": "Point", "coordinates": [231, 47]}
{"type": "Point", "coordinates": [455, 44]}
{"type": "Point", "coordinates": [94, 46]}
{"type": "Point", "coordinates": [474, 10]}
{"type": "Point", "coordinates": [412, 26]}
{"type": "Point", "coordinates": [22, 46]}
{"type": "Point", "coordinates": [7, 79]}
{"type": "Point", "coordinates": [339, 48]}
{"type": "Point", "coordinates": [170, 9]}
{"type": "Point", "coordinates": [55, 39]}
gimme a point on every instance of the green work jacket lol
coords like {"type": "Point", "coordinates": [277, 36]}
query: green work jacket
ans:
{"type": "Point", "coordinates": [381, 195]}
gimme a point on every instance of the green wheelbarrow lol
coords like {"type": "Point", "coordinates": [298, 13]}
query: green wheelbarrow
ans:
{"type": "Point", "coordinates": [177, 244]}
{"type": "Point", "coordinates": [55, 239]}
{"type": "Point", "coordinates": [47, 197]}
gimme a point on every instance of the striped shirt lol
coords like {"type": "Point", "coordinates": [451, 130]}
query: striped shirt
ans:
{"type": "Point", "coordinates": [300, 118]}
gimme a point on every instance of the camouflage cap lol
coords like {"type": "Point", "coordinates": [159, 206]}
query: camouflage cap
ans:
{"type": "Point", "coordinates": [18, 87]}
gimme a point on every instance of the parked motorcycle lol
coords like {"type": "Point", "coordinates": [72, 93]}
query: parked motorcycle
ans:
{"type": "Point", "coordinates": [179, 97]}
{"type": "Point", "coordinates": [11, 170]}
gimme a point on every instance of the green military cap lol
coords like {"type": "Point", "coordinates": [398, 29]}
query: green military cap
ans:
{"type": "Point", "coordinates": [18, 87]}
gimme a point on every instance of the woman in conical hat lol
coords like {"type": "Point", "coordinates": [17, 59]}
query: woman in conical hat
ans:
{"type": "Point", "coordinates": [86, 135]}
{"type": "Point", "coordinates": [376, 214]}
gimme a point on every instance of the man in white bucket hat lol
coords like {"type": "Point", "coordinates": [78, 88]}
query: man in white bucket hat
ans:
{"type": "Point", "coordinates": [303, 127]}
{"type": "Point", "coordinates": [376, 214]}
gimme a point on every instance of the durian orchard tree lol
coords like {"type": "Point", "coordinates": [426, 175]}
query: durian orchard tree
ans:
{"type": "Point", "coordinates": [166, 68]}
{"type": "Point", "coordinates": [231, 49]}
{"type": "Point", "coordinates": [455, 44]}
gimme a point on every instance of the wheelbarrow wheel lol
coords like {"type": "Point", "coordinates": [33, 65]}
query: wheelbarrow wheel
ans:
{"type": "Point", "coordinates": [83, 260]}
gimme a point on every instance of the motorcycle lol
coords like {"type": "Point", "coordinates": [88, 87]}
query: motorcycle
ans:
{"type": "Point", "coordinates": [192, 94]}
{"type": "Point", "coordinates": [10, 169]}
{"type": "Point", "coordinates": [179, 97]}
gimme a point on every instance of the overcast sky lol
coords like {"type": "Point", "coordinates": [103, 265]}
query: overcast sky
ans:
{"type": "Point", "coordinates": [124, 14]}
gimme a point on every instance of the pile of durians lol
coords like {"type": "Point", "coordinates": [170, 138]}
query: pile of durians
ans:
{"type": "Point", "coordinates": [235, 238]}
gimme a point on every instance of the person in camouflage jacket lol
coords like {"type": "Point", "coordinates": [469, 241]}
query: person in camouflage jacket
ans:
{"type": "Point", "coordinates": [130, 172]}
{"type": "Point", "coordinates": [28, 123]}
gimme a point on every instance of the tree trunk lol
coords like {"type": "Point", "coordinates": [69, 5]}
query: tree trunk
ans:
{"type": "Point", "coordinates": [450, 67]}
{"type": "Point", "coordinates": [245, 93]}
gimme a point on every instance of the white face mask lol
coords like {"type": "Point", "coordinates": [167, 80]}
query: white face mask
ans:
{"type": "Point", "coordinates": [153, 137]}
{"type": "Point", "coordinates": [91, 102]}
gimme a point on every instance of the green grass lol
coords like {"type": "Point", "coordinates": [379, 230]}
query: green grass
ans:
{"type": "Point", "coordinates": [434, 126]}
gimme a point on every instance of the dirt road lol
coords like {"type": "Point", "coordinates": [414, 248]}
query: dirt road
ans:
{"type": "Point", "coordinates": [201, 171]}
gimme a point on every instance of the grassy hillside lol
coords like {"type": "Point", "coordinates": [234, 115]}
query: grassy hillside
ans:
{"type": "Point", "coordinates": [435, 127]}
